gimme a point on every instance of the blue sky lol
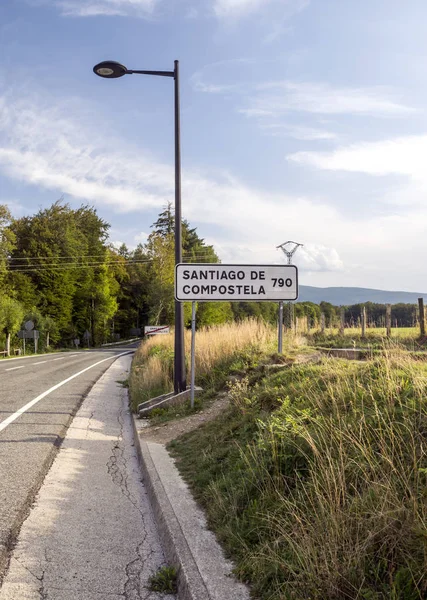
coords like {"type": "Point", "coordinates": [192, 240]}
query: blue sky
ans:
{"type": "Point", "coordinates": [301, 120]}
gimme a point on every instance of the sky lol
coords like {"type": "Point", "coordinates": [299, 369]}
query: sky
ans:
{"type": "Point", "coordinates": [302, 120]}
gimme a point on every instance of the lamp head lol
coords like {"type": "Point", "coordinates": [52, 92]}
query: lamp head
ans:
{"type": "Point", "coordinates": [109, 69]}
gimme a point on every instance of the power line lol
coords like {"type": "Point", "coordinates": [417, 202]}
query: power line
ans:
{"type": "Point", "coordinates": [62, 257]}
{"type": "Point", "coordinates": [66, 267]}
{"type": "Point", "coordinates": [74, 259]}
{"type": "Point", "coordinates": [43, 267]}
{"type": "Point", "coordinates": [92, 263]}
{"type": "Point", "coordinates": [77, 264]}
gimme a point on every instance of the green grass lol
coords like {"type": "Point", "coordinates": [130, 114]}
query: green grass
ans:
{"type": "Point", "coordinates": [164, 581]}
{"type": "Point", "coordinates": [315, 480]}
{"type": "Point", "coordinates": [170, 413]}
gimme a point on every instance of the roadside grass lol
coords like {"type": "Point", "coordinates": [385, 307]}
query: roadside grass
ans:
{"type": "Point", "coordinates": [169, 413]}
{"type": "Point", "coordinates": [315, 480]}
{"type": "Point", "coordinates": [219, 350]}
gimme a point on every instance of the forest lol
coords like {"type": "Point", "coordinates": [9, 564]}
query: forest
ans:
{"type": "Point", "coordinates": [59, 271]}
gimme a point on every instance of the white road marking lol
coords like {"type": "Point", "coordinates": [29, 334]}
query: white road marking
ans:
{"type": "Point", "coordinates": [62, 358]}
{"type": "Point", "coordinates": [24, 409]}
{"type": "Point", "coordinates": [41, 362]}
{"type": "Point", "coordinates": [14, 368]}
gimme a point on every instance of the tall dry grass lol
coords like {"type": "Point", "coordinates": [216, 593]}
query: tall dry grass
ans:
{"type": "Point", "coordinates": [152, 370]}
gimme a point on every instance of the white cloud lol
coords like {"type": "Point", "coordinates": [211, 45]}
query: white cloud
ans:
{"type": "Point", "coordinates": [399, 156]}
{"type": "Point", "coordinates": [116, 244]}
{"type": "Point", "coordinates": [15, 207]}
{"type": "Point", "coordinates": [274, 99]}
{"type": "Point", "coordinates": [43, 146]}
{"type": "Point", "coordinates": [91, 8]}
{"type": "Point", "coordinates": [235, 9]}
{"type": "Point", "coordinates": [141, 238]}
{"type": "Point", "coordinates": [273, 104]}
{"type": "Point", "coordinates": [225, 68]}
{"type": "Point", "coordinates": [315, 257]}
{"type": "Point", "coordinates": [47, 147]}
{"type": "Point", "coordinates": [298, 132]}
{"type": "Point", "coordinates": [54, 146]}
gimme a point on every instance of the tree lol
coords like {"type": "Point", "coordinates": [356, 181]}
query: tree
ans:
{"type": "Point", "coordinates": [214, 313]}
{"type": "Point", "coordinates": [133, 310]}
{"type": "Point", "coordinates": [11, 315]}
{"type": "Point", "coordinates": [160, 293]}
{"type": "Point", "coordinates": [7, 242]}
{"type": "Point", "coordinates": [330, 312]}
{"type": "Point", "coordinates": [160, 251]}
{"type": "Point", "coordinates": [66, 269]}
{"type": "Point", "coordinates": [267, 311]}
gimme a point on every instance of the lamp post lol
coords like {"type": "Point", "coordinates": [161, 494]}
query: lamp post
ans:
{"type": "Point", "coordinates": [112, 70]}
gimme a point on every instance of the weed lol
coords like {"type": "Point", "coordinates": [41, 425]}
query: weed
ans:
{"type": "Point", "coordinates": [164, 581]}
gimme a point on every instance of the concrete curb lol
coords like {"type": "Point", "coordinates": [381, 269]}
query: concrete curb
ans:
{"type": "Point", "coordinates": [203, 572]}
{"type": "Point", "coordinates": [175, 547]}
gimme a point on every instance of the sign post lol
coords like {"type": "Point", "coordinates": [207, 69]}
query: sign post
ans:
{"type": "Point", "coordinates": [193, 352]}
{"type": "Point", "coordinates": [280, 344]}
{"type": "Point", "coordinates": [29, 334]}
{"type": "Point", "coordinates": [156, 329]}
{"type": "Point", "coordinates": [212, 282]}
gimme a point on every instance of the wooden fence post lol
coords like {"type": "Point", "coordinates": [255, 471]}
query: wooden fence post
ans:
{"type": "Point", "coordinates": [322, 322]}
{"type": "Point", "coordinates": [388, 320]}
{"type": "Point", "coordinates": [422, 317]}
{"type": "Point", "coordinates": [363, 317]}
{"type": "Point", "coordinates": [342, 321]}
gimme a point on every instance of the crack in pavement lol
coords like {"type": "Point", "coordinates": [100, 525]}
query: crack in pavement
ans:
{"type": "Point", "coordinates": [118, 468]}
{"type": "Point", "coordinates": [88, 423]}
{"type": "Point", "coordinates": [41, 590]}
{"type": "Point", "coordinates": [40, 579]}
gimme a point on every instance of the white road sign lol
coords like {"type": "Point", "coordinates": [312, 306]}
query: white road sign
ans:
{"type": "Point", "coordinates": [156, 329]}
{"type": "Point", "coordinates": [216, 282]}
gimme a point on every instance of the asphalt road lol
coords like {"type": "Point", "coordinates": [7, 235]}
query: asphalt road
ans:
{"type": "Point", "coordinates": [29, 439]}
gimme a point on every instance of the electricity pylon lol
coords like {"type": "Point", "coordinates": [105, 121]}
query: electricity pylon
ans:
{"type": "Point", "coordinates": [289, 248]}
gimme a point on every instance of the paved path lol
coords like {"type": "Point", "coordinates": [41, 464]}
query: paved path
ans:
{"type": "Point", "coordinates": [90, 534]}
{"type": "Point", "coordinates": [38, 397]}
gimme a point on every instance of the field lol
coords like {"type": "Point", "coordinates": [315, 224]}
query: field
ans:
{"type": "Point", "coordinates": [409, 337]}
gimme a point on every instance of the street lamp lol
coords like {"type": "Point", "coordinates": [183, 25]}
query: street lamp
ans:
{"type": "Point", "coordinates": [112, 70]}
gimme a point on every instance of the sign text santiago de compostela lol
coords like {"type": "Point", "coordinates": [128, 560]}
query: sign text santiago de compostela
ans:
{"type": "Point", "coordinates": [215, 282]}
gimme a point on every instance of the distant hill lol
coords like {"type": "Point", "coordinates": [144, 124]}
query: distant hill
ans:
{"type": "Point", "coordinates": [353, 295]}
